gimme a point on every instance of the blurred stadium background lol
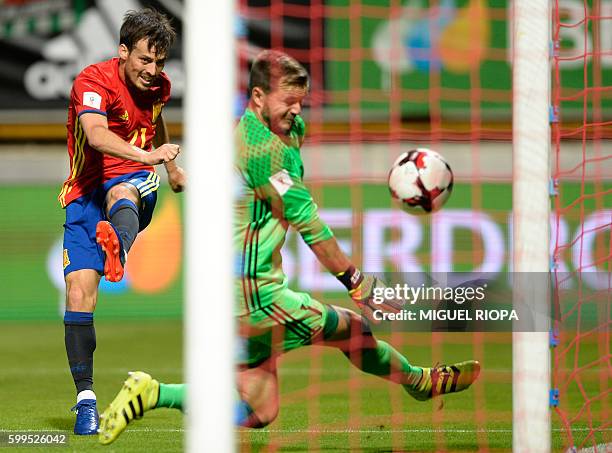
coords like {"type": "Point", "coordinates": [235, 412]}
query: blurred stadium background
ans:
{"type": "Point", "coordinates": [387, 75]}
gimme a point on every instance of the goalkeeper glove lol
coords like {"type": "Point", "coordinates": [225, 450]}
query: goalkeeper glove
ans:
{"type": "Point", "coordinates": [368, 292]}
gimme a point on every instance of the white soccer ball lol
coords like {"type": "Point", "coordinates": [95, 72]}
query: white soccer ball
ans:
{"type": "Point", "coordinates": [421, 181]}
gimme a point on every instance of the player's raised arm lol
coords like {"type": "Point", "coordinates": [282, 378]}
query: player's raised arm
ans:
{"type": "Point", "coordinates": [100, 138]}
{"type": "Point", "coordinates": [176, 175]}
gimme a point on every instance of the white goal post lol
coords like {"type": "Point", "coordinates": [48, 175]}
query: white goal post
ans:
{"type": "Point", "coordinates": [209, 102]}
{"type": "Point", "coordinates": [531, 218]}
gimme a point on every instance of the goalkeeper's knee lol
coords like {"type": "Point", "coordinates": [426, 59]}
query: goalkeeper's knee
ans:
{"type": "Point", "coordinates": [347, 324]}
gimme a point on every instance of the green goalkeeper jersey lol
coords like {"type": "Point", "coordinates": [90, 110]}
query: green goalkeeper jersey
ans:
{"type": "Point", "coordinates": [271, 197]}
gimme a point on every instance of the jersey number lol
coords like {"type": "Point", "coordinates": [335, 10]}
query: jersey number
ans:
{"type": "Point", "coordinates": [143, 136]}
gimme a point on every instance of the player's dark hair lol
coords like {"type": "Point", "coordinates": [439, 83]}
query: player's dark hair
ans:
{"type": "Point", "coordinates": [272, 65]}
{"type": "Point", "coordinates": [147, 24]}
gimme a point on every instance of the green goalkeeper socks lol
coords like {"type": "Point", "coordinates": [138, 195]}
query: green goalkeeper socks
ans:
{"type": "Point", "coordinates": [386, 362]}
{"type": "Point", "coordinates": [171, 396]}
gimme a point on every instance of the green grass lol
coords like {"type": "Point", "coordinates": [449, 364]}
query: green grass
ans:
{"type": "Point", "coordinates": [336, 408]}
{"type": "Point", "coordinates": [37, 389]}
{"type": "Point", "coordinates": [326, 405]}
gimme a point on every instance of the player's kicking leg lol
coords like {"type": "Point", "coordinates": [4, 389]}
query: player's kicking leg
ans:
{"type": "Point", "coordinates": [354, 338]}
{"type": "Point", "coordinates": [140, 393]}
{"type": "Point", "coordinates": [129, 207]}
{"type": "Point", "coordinates": [117, 235]}
{"type": "Point", "coordinates": [109, 241]}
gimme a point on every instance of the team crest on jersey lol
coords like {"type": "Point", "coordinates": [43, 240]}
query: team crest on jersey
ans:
{"type": "Point", "coordinates": [66, 259]}
{"type": "Point", "coordinates": [157, 108]}
{"type": "Point", "coordinates": [125, 116]}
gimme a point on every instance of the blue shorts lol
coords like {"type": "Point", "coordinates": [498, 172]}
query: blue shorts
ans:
{"type": "Point", "coordinates": [81, 251]}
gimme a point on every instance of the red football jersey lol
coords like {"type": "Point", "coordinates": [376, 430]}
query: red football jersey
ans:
{"type": "Point", "coordinates": [130, 114]}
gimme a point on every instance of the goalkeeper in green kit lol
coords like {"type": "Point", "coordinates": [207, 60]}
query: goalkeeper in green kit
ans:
{"type": "Point", "coordinates": [271, 318]}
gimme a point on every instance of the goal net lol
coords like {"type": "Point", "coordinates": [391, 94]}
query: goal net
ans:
{"type": "Point", "coordinates": [391, 75]}
{"type": "Point", "coordinates": [582, 245]}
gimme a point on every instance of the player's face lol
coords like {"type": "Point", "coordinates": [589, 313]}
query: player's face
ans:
{"type": "Point", "coordinates": [281, 105]}
{"type": "Point", "coordinates": [141, 65]}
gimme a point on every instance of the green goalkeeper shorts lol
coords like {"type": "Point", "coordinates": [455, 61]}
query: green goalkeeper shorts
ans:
{"type": "Point", "coordinates": [293, 321]}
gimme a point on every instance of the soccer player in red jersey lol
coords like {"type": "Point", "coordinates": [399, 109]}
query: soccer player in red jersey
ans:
{"type": "Point", "coordinates": [116, 135]}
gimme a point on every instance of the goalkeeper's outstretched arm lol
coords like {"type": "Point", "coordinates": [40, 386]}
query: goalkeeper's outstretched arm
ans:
{"type": "Point", "coordinates": [361, 287]}
{"type": "Point", "coordinates": [331, 256]}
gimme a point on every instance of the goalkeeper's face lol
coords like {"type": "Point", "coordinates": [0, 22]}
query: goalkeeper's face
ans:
{"type": "Point", "coordinates": [281, 105]}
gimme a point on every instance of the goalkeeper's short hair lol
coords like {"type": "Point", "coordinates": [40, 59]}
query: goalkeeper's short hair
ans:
{"type": "Point", "coordinates": [271, 66]}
